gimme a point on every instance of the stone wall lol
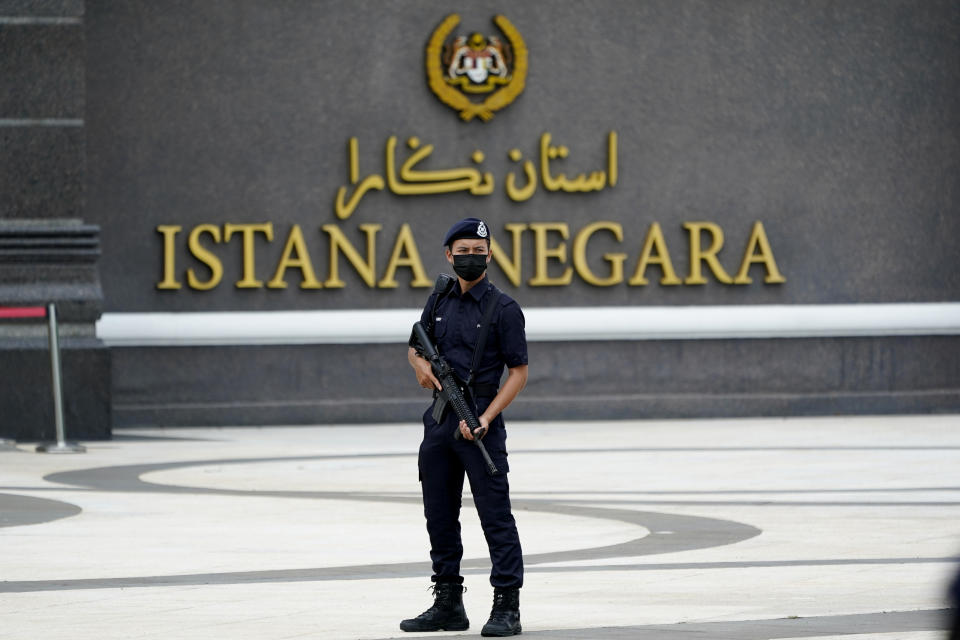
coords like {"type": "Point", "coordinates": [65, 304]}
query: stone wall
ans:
{"type": "Point", "coordinates": [47, 255]}
{"type": "Point", "coordinates": [214, 137]}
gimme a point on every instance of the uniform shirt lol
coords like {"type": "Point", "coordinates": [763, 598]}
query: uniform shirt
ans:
{"type": "Point", "coordinates": [456, 329]}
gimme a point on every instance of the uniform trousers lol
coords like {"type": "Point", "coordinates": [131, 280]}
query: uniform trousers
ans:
{"type": "Point", "coordinates": [443, 462]}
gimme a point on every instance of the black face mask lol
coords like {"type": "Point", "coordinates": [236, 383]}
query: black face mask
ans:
{"type": "Point", "coordinates": [470, 266]}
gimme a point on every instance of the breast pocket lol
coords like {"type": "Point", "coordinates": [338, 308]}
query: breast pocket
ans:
{"type": "Point", "coordinates": [439, 328]}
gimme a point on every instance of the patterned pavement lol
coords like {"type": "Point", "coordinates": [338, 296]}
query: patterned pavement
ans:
{"type": "Point", "coordinates": [756, 528]}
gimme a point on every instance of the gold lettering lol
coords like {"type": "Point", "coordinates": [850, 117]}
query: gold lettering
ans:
{"type": "Point", "coordinates": [615, 259]}
{"type": "Point", "coordinates": [169, 232]}
{"type": "Point", "coordinates": [405, 244]}
{"type": "Point", "coordinates": [612, 159]}
{"type": "Point", "coordinates": [546, 153]}
{"type": "Point", "coordinates": [371, 182]}
{"type": "Point", "coordinates": [339, 243]}
{"type": "Point", "coordinates": [541, 277]}
{"type": "Point", "coordinates": [596, 181]}
{"type": "Point", "coordinates": [758, 239]}
{"type": "Point", "coordinates": [418, 182]}
{"type": "Point", "coordinates": [295, 244]}
{"type": "Point", "coordinates": [697, 255]}
{"type": "Point", "coordinates": [204, 256]}
{"type": "Point", "coordinates": [654, 240]}
{"type": "Point", "coordinates": [552, 266]}
{"type": "Point", "coordinates": [510, 267]}
{"type": "Point", "coordinates": [249, 280]}
{"type": "Point", "coordinates": [526, 192]}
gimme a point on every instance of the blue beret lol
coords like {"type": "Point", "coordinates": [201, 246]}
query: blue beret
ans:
{"type": "Point", "coordinates": [467, 228]}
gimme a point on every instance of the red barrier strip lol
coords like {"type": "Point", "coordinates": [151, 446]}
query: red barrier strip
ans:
{"type": "Point", "coordinates": [23, 312]}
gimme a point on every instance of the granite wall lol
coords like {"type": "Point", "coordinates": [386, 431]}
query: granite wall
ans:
{"type": "Point", "coordinates": [832, 124]}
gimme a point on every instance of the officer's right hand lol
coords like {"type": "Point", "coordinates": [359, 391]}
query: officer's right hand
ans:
{"type": "Point", "coordinates": [425, 376]}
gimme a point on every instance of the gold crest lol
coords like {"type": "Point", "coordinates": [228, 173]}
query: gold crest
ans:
{"type": "Point", "coordinates": [476, 65]}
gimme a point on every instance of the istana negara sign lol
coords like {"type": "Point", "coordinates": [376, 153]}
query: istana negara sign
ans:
{"type": "Point", "coordinates": [475, 75]}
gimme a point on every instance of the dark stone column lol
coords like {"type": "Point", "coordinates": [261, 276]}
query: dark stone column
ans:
{"type": "Point", "coordinates": [46, 253]}
{"type": "Point", "coordinates": [42, 101]}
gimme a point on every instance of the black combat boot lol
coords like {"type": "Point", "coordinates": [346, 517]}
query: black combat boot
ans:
{"type": "Point", "coordinates": [446, 614]}
{"type": "Point", "coordinates": [505, 615]}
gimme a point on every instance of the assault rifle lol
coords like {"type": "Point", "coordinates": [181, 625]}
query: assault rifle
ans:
{"type": "Point", "coordinates": [452, 392]}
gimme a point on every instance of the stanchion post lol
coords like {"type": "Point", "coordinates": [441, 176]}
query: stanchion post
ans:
{"type": "Point", "coordinates": [61, 445]}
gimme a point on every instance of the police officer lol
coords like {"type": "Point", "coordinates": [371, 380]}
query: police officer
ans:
{"type": "Point", "coordinates": [457, 317]}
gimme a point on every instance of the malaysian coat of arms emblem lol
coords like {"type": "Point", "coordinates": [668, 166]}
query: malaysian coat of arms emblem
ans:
{"type": "Point", "coordinates": [476, 65]}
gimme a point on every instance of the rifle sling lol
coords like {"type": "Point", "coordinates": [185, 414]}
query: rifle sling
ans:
{"type": "Point", "coordinates": [478, 390]}
{"type": "Point", "coordinates": [484, 330]}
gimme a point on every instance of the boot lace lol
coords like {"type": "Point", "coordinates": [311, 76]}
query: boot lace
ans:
{"type": "Point", "coordinates": [501, 611]}
{"type": "Point", "coordinates": [502, 618]}
{"type": "Point", "coordinates": [443, 598]}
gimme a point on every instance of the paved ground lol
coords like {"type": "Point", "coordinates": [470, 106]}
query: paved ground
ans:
{"type": "Point", "coordinates": [738, 529]}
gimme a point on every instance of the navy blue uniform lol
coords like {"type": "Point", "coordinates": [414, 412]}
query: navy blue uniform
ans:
{"type": "Point", "coordinates": [443, 459]}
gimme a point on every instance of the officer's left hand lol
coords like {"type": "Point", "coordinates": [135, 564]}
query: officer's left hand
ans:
{"type": "Point", "coordinates": [482, 431]}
